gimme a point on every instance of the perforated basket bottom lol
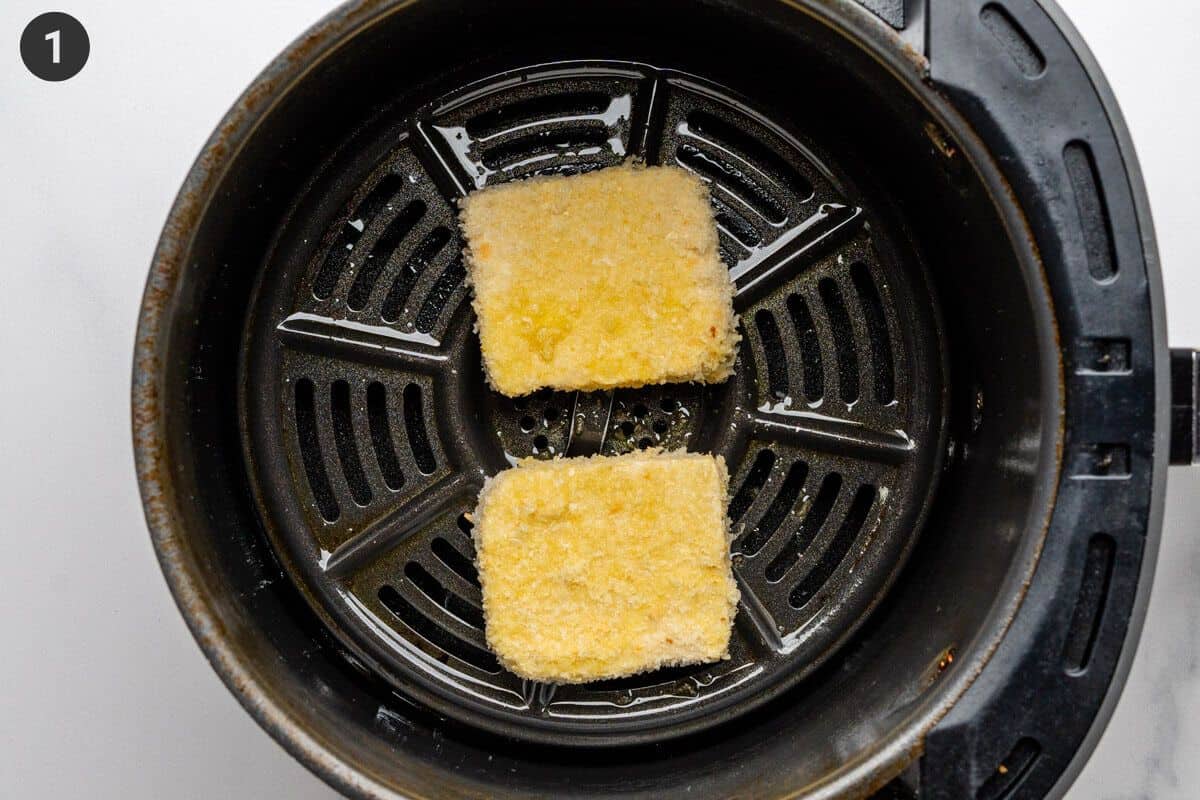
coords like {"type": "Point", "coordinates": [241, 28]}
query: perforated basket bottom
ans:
{"type": "Point", "coordinates": [369, 428]}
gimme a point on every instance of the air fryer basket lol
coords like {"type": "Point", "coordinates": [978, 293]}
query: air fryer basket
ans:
{"type": "Point", "coordinates": [946, 432]}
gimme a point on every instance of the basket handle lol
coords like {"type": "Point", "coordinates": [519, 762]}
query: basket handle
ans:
{"type": "Point", "coordinates": [1185, 406]}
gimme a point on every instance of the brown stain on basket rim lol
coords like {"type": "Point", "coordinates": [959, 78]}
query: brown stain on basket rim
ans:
{"type": "Point", "coordinates": [151, 456]}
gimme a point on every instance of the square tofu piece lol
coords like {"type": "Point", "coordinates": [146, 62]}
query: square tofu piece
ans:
{"type": "Point", "coordinates": [594, 281]}
{"type": "Point", "coordinates": [606, 566]}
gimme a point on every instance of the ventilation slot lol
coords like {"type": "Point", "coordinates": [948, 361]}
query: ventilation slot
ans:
{"type": "Point", "coordinates": [381, 253]}
{"type": "Point", "coordinates": [567, 168]}
{"type": "Point", "coordinates": [1089, 605]}
{"type": "Point", "coordinates": [414, 424]}
{"type": "Point", "coordinates": [1093, 210]}
{"type": "Point", "coordinates": [773, 353]}
{"type": "Point", "coordinates": [725, 174]}
{"type": "Point", "coordinates": [729, 251]}
{"type": "Point", "coordinates": [1012, 772]}
{"type": "Point", "coordinates": [453, 604]}
{"type": "Point", "coordinates": [843, 339]}
{"type": "Point", "coordinates": [1013, 39]}
{"type": "Point", "coordinates": [440, 295]}
{"type": "Point", "coordinates": [381, 436]}
{"type": "Point", "coordinates": [780, 507]}
{"type": "Point", "coordinates": [813, 521]}
{"type": "Point", "coordinates": [546, 109]}
{"type": "Point", "coordinates": [756, 478]}
{"type": "Point", "coordinates": [877, 333]}
{"type": "Point", "coordinates": [455, 561]}
{"type": "Point", "coordinates": [836, 552]}
{"type": "Point", "coordinates": [753, 150]}
{"type": "Point", "coordinates": [310, 451]}
{"type": "Point", "coordinates": [556, 141]}
{"type": "Point", "coordinates": [810, 348]}
{"type": "Point", "coordinates": [339, 253]}
{"type": "Point", "coordinates": [437, 636]}
{"type": "Point", "coordinates": [347, 445]}
{"type": "Point", "coordinates": [646, 680]}
{"type": "Point", "coordinates": [465, 525]}
{"type": "Point", "coordinates": [418, 261]}
{"type": "Point", "coordinates": [735, 224]}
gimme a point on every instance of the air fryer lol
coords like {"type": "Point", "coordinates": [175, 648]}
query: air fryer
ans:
{"type": "Point", "coordinates": [947, 432]}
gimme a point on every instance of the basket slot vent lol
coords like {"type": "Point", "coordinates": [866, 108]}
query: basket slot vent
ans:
{"type": "Point", "coordinates": [755, 479]}
{"type": "Point", "coordinates": [435, 302]}
{"type": "Point", "coordinates": [347, 445]}
{"type": "Point", "coordinates": [414, 424]}
{"type": "Point", "coordinates": [753, 150]}
{"type": "Point", "coordinates": [810, 348]}
{"type": "Point", "coordinates": [381, 436]}
{"type": "Point", "coordinates": [382, 252]}
{"type": "Point", "coordinates": [783, 504]}
{"type": "Point", "coordinates": [543, 109]}
{"type": "Point", "coordinates": [843, 339]}
{"type": "Point", "coordinates": [835, 553]}
{"type": "Point", "coordinates": [436, 635]}
{"type": "Point", "coordinates": [455, 561]}
{"type": "Point", "coordinates": [877, 332]}
{"type": "Point", "coordinates": [811, 525]}
{"type": "Point", "coordinates": [551, 142]}
{"type": "Point", "coordinates": [339, 253]}
{"type": "Point", "coordinates": [773, 354]}
{"type": "Point", "coordinates": [733, 179]}
{"type": "Point", "coordinates": [646, 680]}
{"type": "Point", "coordinates": [734, 224]}
{"type": "Point", "coordinates": [414, 267]}
{"type": "Point", "coordinates": [463, 610]}
{"type": "Point", "coordinates": [310, 451]}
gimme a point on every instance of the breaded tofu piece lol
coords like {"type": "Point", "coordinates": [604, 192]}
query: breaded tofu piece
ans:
{"type": "Point", "coordinates": [611, 278]}
{"type": "Point", "coordinates": [606, 566]}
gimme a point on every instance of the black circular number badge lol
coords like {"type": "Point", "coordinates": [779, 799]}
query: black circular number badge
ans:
{"type": "Point", "coordinates": [55, 46]}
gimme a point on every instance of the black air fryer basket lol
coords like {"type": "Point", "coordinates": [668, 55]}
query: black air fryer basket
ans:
{"type": "Point", "coordinates": [947, 433]}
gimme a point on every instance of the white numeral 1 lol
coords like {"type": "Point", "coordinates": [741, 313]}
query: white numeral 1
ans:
{"type": "Point", "coordinates": [53, 37]}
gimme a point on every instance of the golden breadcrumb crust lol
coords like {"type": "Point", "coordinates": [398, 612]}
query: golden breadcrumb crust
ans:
{"type": "Point", "coordinates": [606, 279]}
{"type": "Point", "coordinates": [606, 566]}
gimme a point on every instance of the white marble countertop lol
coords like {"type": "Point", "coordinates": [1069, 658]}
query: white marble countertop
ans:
{"type": "Point", "coordinates": [89, 168]}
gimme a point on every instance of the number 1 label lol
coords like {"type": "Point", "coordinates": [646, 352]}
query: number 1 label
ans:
{"type": "Point", "coordinates": [54, 46]}
{"type": "Point", "coordinates": [55, 53]}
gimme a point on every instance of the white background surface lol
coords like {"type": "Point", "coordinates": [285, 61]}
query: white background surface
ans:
{"type": "Point", "coordinates": [103, 694]}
